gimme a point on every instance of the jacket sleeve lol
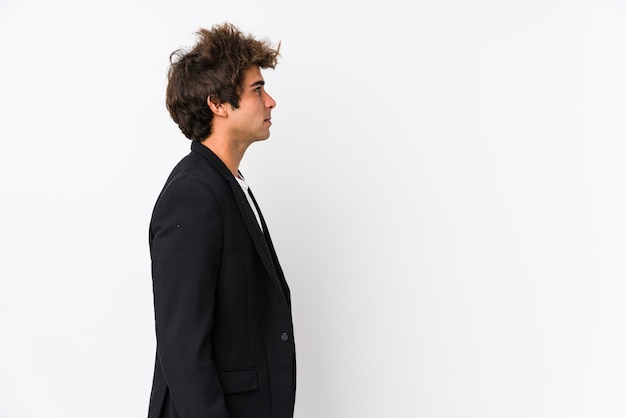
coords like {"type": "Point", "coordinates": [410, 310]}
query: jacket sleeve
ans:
{"type": "Point", "coordinates": [185, 246]}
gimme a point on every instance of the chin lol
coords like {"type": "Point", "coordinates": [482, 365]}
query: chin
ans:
{"type": "Point", "coordinates": [259, 139]}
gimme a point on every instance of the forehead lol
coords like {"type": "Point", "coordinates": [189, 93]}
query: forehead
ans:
{"type": "Point", "coordinates": [251, 76]}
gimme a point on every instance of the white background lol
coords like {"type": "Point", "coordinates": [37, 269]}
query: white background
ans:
{"type": "Point", "coordinates": [445, 184]}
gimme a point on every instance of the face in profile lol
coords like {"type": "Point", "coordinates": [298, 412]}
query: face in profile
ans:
{"type": "Point", "coordinates": [251, 121]}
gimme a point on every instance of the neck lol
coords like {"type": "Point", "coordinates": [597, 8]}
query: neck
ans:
{"type": "Point", "coordinates": [230, 153]}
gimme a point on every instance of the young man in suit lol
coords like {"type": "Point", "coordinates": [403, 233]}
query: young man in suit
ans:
{"type": "Point", "coordinates": [224, 331]}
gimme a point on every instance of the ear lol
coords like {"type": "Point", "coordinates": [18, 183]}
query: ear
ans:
{"type": "Point", "coordinates": [216, 107]}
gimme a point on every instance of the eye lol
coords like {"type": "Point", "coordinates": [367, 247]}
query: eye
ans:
{"type": "Point", "coordinates": [258, 90]}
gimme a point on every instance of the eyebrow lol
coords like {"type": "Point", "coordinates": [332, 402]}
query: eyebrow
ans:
{"type": "Point", "coordinates": [258, 83]}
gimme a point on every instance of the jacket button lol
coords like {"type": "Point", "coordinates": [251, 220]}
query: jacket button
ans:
{"type": "Point", "coordinates": [284, 336]}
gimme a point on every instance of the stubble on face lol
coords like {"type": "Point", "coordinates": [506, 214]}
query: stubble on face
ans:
{"type": "Point", "coordinates": [251, 121]}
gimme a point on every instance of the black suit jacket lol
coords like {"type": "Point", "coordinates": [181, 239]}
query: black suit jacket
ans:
{"type": "Point", "coordinates": [225, 345]}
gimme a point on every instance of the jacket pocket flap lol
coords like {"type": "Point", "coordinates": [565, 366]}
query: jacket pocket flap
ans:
{"type": "Point", "coordinates": [236, 381]}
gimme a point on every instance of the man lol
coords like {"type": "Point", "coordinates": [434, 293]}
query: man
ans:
{"type": "Point", "coordinates": [225, 345]}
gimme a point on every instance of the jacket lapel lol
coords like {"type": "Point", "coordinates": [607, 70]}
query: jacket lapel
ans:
{"type": "Point", "coordinates": [272, 252]}
{"type": "Point", "coordinates": [258, 237]}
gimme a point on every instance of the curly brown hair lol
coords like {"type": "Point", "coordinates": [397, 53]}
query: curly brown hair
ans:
{"type": "Point", "coordinates": [213, 68]}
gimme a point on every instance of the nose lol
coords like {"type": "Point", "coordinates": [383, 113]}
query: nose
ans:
{"type": "Point", "coordinates": [270, 102]}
